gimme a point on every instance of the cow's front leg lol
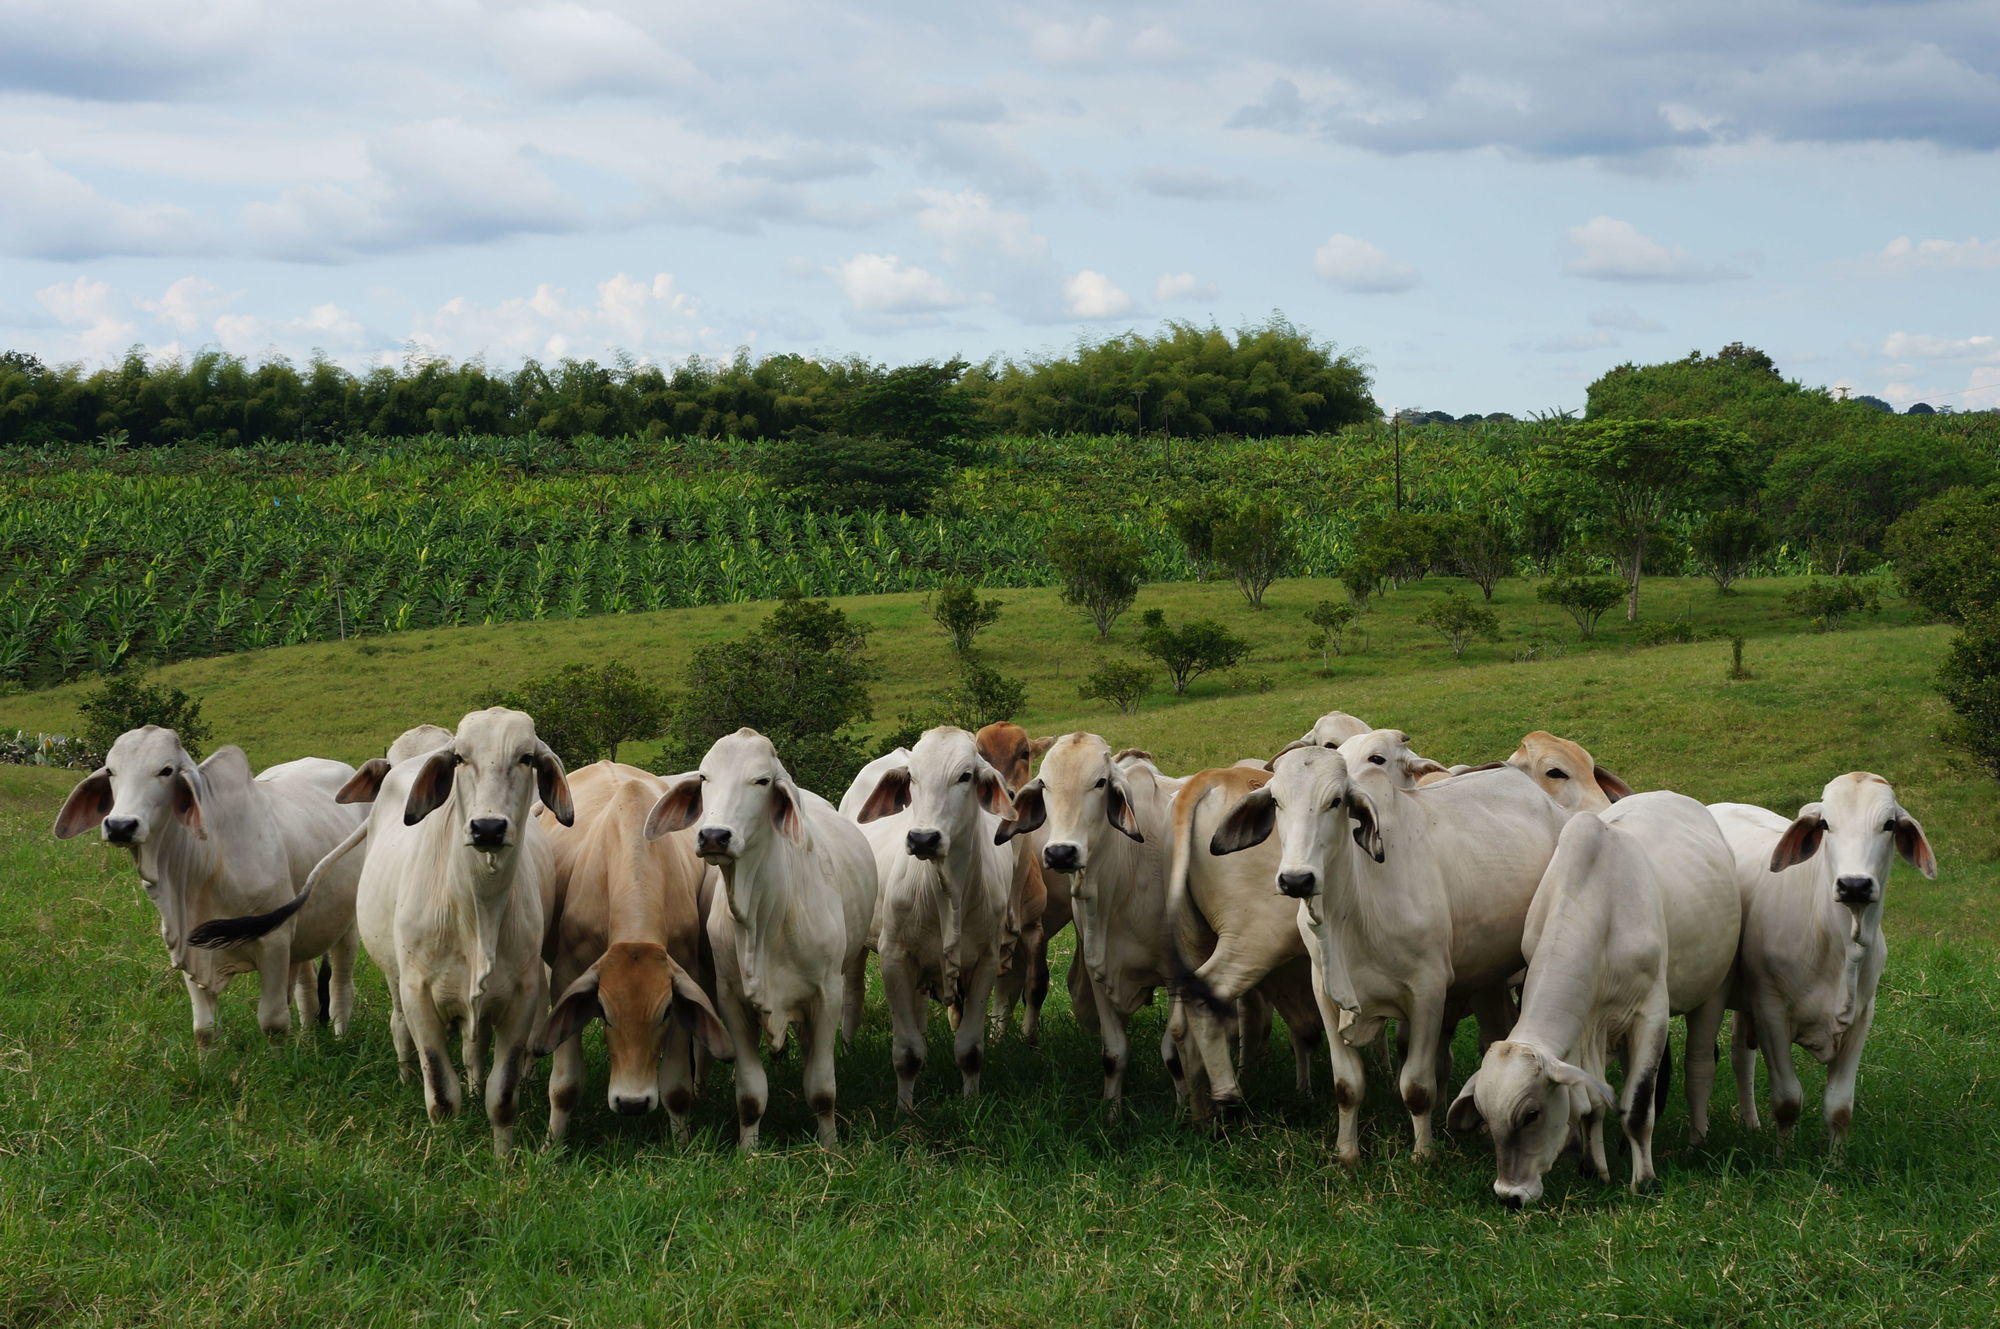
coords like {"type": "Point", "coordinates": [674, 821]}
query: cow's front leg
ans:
{"type": "Point", "coordinates": [1111, 1032]}
{"type": "Point", "coordinates": [511, 1031]}
{"type": "Point", "coordinates": [1840, 1080]}
{"type": "Point", "coordinates": [677, 1078]}
{"type": "Point", "coordinates": [1704, 1028]}
{"type": "Point", "coordinates": [1774, 1040]}
{"type": "Point", "coordinates": [1418, 1081]}
{"type": "Point", "coordinates": [1645, 1063]}
{"type": "Point", "coordinates": [201, 1002]}
{"type": "Point", "coordinates": [428, 1034]}
{"type": "Point", "coordinates": [969, 1045]}
{"type": "Point", "coordinates": [1743, 1066]}
{"type": "Point", "coordinates": [818, 1079]}
{"type": "Point", "coordinates": [908, 1012]}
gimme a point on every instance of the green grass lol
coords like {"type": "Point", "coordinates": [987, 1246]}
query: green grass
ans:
{"type": "Point", "coordinates": [139, 1183]}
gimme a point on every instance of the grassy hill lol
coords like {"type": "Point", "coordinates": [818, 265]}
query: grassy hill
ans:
{"type": "Point", "coordinates": [297, 1184]}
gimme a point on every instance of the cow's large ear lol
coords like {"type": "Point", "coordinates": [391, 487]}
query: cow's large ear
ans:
{"type": "Point", "coordinates": [991, 790]}
{"type": "Point", "coordinates": [890, 795]}
{"type": "Point", "coordinates": [1416, 768]}
{"type": "Point", "coordinates": [693, 1009]}
{"type": "Point", "coordinates": [365, 783]}
{"type": "Point", "coordinates": [1118, 806]}
{"type": "Point", "coordinates": [187, 802]}
{"type": "Point", "coordinates": [1292, 746]}
{"type": "Point", "coordinates": [1911, 844]}
{"type": "Point", "coordinates": [431, 787]}
{"type": "Point", "coordinates": [1464, 1114]}
{"type": "Point", "coordinates": [1800, 840]}
{"type": "Point", "coordinates": [551, 783]}
{"type": "Point", "coordinates": [1575, 1077]}
{"type": "Point", "coordinates": [87, 805]}
{"type": "Point", "coordinates": [1367, 827]}
{"type": "Point", "coordinates": [785, 814]}
{"type": "Point", "coordinates": [678, 808]}
{"type": "Point", "coordinates": [573, 1010]}
{"type": "Point", "coordinates": [1613, 787]}
{"type": "Point", "coordinates": [1037, 746]}
{"type": "Point", "coordinates": [1030, 811]}
{"type": "Point", "coordinates": [1248, 823]}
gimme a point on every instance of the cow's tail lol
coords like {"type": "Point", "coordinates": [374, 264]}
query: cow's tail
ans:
{"type": "Point", "coordinates": [1185, 925]}
{"type": "Point", "coordinates": [228, 931]}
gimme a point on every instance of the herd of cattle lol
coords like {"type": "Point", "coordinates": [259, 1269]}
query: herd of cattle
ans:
{"type": "Point", "coordinates": [1341, 884]}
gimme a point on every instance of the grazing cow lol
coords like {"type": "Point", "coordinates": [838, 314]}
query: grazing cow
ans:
{"type": "Point", "coordinates": [1040, 902]}
{"type": "Point", "coordinates": [628, 949]}
{"type": "Point", "coordinates": [1567, 774]}
{"type": "Point", "coordinates": [941, 928]}
{"type": "Point", "coordinates": [1108, 829]}
{"type": "Point", "coordinates": [790, 927]}
{"type": "Point", "coordinates": [1812, 950]}
{"type": "Point", "coordinates": [1636, 920]}
{"type": "Point", "coordinates": [1333, 729]}
{"type": "Point", "coordinates": [1414, 896]}
{"type": "Point", "coordinates": [210, 841]}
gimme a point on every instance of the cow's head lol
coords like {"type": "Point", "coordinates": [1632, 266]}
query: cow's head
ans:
{"type": "Point", "coordinates": [1856, 827]}
{"type": "Point", "coordinates": [1311, 801]}
{"type": "Point", "coordinates": [636, 989]}
{"type": "Point", "coordinates": [148, 781]}
{"type": "Point", "coordinates": [1528, 1100]}
{"type": "Point", "coordinates": [1389, 751]}
{"type": "Point", "coordinates": [1081, 795]}
{"type": "Point", "coordinates": [1567, 774]}
{"type": "Point", "coordinates": [944, 783]}
{"type": "Point", "coordinates": [1008, 750]}
{"type": "Point", "coordinates": [490, 773]}
{"type": "Point", "coordinates": [739, 794]}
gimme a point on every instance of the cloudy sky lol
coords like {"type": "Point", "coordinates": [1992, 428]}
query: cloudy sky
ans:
{"type": "Point", "coordinates": [1494, 202]}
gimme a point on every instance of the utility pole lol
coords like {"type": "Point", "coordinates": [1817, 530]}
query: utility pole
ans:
{"type": "Point", "coordinates": [1396, 429]}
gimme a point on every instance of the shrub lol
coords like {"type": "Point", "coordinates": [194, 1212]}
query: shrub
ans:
{"type": "Point", "coordinates": [1947, 553]}
{"type": "Point", "coordinates": [1969, 681]}
{"type": "Point", "coordinates": [800, 678]}
{"type": "Point", "coordinates": [979, 697]}
{"type": "Point", "coordinates": [1584, 599]}
{"type": "Point", "coordinates": [1673, 632]}
{"type": "Point", "coordinates": [1737, 669]}
{"type": "Point", "coordinates": [1101, 569]}
{"type": "Point", "coordinates": [129, 702]}
{"type": "Point", "coordinates": [1121, 682]}
{"type": "Point", "coordinates": [1482, 549]}
{"type": "Point", "coordinates": [1362, 575]}
{"type": "Point", "coordinates": [1256, 547]}
{"type": "Point", "coordinates": [850, 474]}
{"type": "Point", "coordinates": [1405, 546]}
{"type": "Point", "coordinates": [1333, 621]}
{"type": "Point", "coordinates": [1193, 522]}
{"type": "Point", "coordinates": [1460, 622]}
{"type": "Point", "coordinates": [1190, 650]}
{"type": "Point", "coordinates": [584, 713]}
{"type": "Point", "coordinates": [1826, 603]}
{"type": "Point", "coordinates": [1728, 542]}
{"type": "Point", "coordinates": [19, 749]}
{"type": "Point", "coordinates": [957, 609]}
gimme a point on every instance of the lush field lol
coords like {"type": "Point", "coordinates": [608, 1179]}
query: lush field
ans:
{"type": "Point", "coordinates": [301, 1184]}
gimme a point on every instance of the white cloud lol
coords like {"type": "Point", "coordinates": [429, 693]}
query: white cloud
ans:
{"type": "Point", "coordinates": [1606, 249]}
{"type": "Point", "coordinates": [570, 48]}
{"type": "Point", "coordinates": [51, 214]}
{"type": "Point", "coordinates": [1357, 266]}
{"type": "Point", "coordinates": [1902, 256]}
{"type": "Point", "coordinates": [650, 320]}
{"type": "Point", "coordinates": [100, 326]}
{"type": "Point", "coordinates": [1921, 346]}
{"type": "Point", "coordinates": [188, 304]}
{"type": "Point", "coordinates": [1183, 286]}
{"type": "Point", "coordinates": [884, 284]}
{"type": "Point", "coordinates": [1091, 294]}
{"type": "Point", "coordinates": [969, 229]}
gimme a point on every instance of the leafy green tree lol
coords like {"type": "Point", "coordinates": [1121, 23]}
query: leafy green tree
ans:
{"type": "Point", "coordinates": [1947, 554]}
{"type": "Point", "coordinates": [1257, 546]}
{"type": "Point", "coordinates": [1583, 598]}
{"type": "Point", "coordinates": [1460, 622]}
{"type": "Point", "coordinates": [929, 403]}
{"type": "Point", "coordinates": [977, 698]}
{"type": "Point", "coordinates": [1728, 542]}
{"type": "Point", "coordinates": [1826, 603]}
{"type": "Point", "coordinates": [849, 474]}
{"type": "Point", "coordinates": [957, 608]}
{"type": "Point", "coordinates": [1969, 681]}
{"type": "Point", "coordinates": [1637, 473]}
{"type": "Point", "coordinates": [1191, 649]}
{"type": "Point", "coordinates": [1481, 548]}
{"type": "Point", "coordinates": [1101, 567]}
{"type": "Point", "coordinates": [584, 713]}
{"type": "Point", "coordinates": [1331, 621]}
{"type": "Point", "coordinates": [1837, 495]}
{"type": "Point", "coordinates": [128, 701]}
{"type": "Point", "coordinates": [1120, 682]}
{"type": "Point", "coordinates": [1194, 521]}
{"type": "Point", "coordinates": [800, 678]}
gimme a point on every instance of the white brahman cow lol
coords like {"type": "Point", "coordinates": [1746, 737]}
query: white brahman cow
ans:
{"type": "Point", "coordinates": [1414, 896]}
{"type": "Point", "coordinates": [1567, 774]}
{"type": "Point", "coordinates": [790, 926]}
{"type": "Point", "coordinates": [941, 927]}
{"type": "Point", "coordinates": [211, 842]}
{"type": "Point", "coordinates": [1635, 920]}
{"type": "Point", "coordinates": [628, 950]}
{"type": "Point", "coordinates": [1812, 936]}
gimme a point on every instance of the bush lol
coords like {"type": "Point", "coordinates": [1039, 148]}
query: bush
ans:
{"type": "Point", "coordinates": [979, 697]}
{"type": "Point", "coordinates": [1483, 550]}
{"type": "Point", "coordinates": [1947, 554]}
{"type": "Point", "coordinates": [19, 749]}
{"type": "Point", "coordinates": [1969, 681]}
{"type": "Point", "coordinates": [1362, 574]}
{"type": "Point", "coordinates": [1673, 632]}
{"type": "Point", "coordinates": [1101, 568]}
{"type": "Point", "coordinates": [1405, 546]}
{"type": "Point", "coordinates": [129, 702]}
{"type": "Point", "coordinates": [584, 713]}
{"type": "Point", "coordinates": [1193, 522]}
{"type": "Point", "coordinates": [957, 608]}
{"type": "Point", "coordinates": [1460, 622]}
{"type": "Point", "coordinates": [1728, 543]}
{"type": "Point", "coordinates": [1190, 650]}
{"type": "Point", "coordinates": [849, 474]}
{"type": "Point", "coordinates": [1826, 603]}
{"type": "Point", "coordinates": [1256, 547]}
{"type": "Point", "coordinates": [800, 678]}
{"type": "Point", "coordinates": [1584, 599]}
{"type": "Point", "coordinates": [1333, 621]}
{"type": "Point", "coordinates": [1737, 669]}
{"type": "Point", "coordinates": [1121, 682]}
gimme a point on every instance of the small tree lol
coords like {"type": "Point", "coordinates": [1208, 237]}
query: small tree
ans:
{"type": "Point", "coordinates": [1459, 622]}
{"type": "Point", "coordinates": [1122, 682]}
{"type": "Point", "coordinates": [1483, 550]}
{"type": "Point", "coordinates": [1332, 619]}
{"type": "Point", "coordinates": [1190, 650]}
{"type": "Point", "coordinates": [1969, 681]}
{"type": "Point", "coordinates": [852, 474]}
{"type": "Point", "coordinates": [1193, 522]}
{"type": "Point", "coordinates": [1101, 568]}
{"type": "Point", "coordinates": [1256, 546]}
{"type": "Point", "coordinates": [979, 697]}
{"type": "Point", "coordinates": [957, 608]}
{"type": "Point", "coordinates": [1584, 598]}
{"type": "Point", "coordinates": [1947, 553]}
{"type": "Point", "coordinates": [1727, 544]}
{"type": "Point", "coordinates": [127, 701]}
{"type": "Point", "coordinates": [1362, 575]}
{"type": "Point", "coordinates": [584, 713]}
{"type": "Point", "coordinates": [1826, 603]}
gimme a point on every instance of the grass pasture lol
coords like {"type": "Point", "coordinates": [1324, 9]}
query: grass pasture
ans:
{"type": "Point", "coordinates": [301, 1184]}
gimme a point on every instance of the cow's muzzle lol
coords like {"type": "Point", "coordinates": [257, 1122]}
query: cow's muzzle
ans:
{"type": "Point", "coordinates": [487, 832]}
{"type": "Point", "coordinates": [1847, 890]}
{"type": "Point", "coordinates": [1299, 884]}
{"type": "Point", "coordinates": [927, 845]}
{"type": "Point", "coordinates": [713, 842]}
{"type": "Point", "coordinates": [1061, 857]}
{"type": "Point", "coordinates": [121, 830]}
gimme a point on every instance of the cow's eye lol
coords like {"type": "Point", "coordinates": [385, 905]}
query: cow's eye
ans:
{"type": "Point", "coordinates": [1531, 1116]}
{"type": "Point", "coordinates": [1558, 773]}
{"type": "Point", "coordinates": [1099, 784]}
{"type": "Point", "coordinates": [166, 771]}
{"type": "Point", "coordinates": [1889, 826]}
{"type": "Point", "coordinates": [110, 774]}
{"type": "Point", "coordinates": [761, 780]}
{"type": "Point", "coordinates": [1378, 760]}
{"type": "Point", "coordinates": [965, 777]}
{"type": "Point", "coordinates": [1826, 828]}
